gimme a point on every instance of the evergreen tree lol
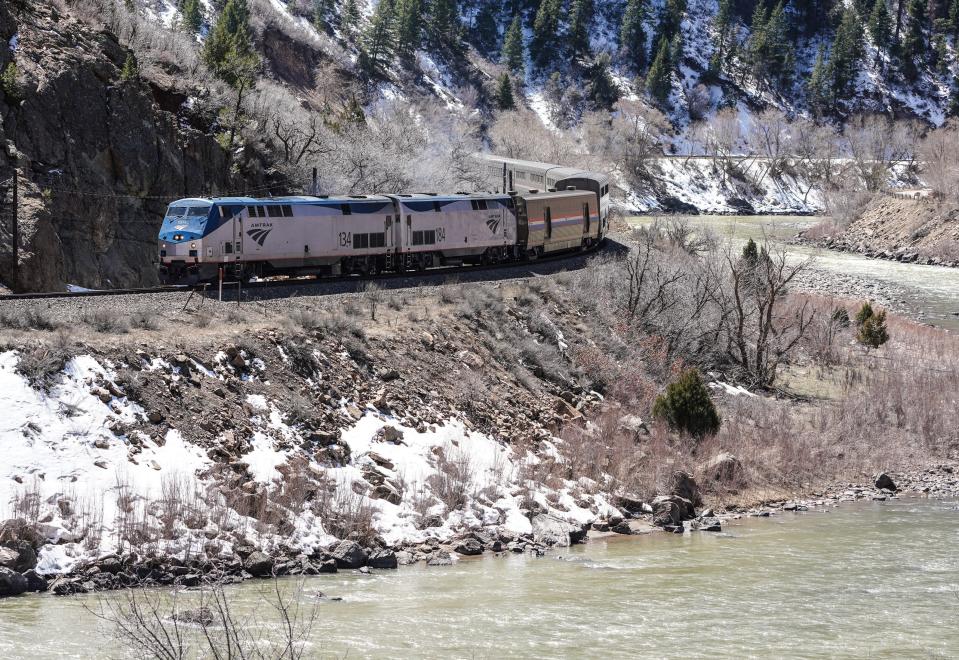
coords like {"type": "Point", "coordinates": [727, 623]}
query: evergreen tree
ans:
{"type": "Point", "coordinates": [954, 98]}
{"type": "Point", "coordinates": [379, 40]}
{"type": "Point", "coordinates": [513, 56]}
{"type": "Point", "coordinates": [10, 84]}
{"type": "Point", "coordinates": [770, 52]}
{"type": "Point", "coordinates": [914, 48]}
{"type": "Point", "coordinates": [686, 406]}
{"type": "Point", "coordinates": [504, 93]}
{"type": "Point", "coordinates": [632, 35]}
{"type": "Point", "coordinates": [817, 87]}
{"type": "Point", "coordinates": [350, 16]}
{"type": "Point", "coordinates": [602, 90]}
{"type": "Point", "coordinates": [670, 18]}
{"type": "Point", "coordinates": [722, 24]}
{"type": "Point", "coordinates": [543, 46]}
{"type": "Point", "coordinates": [131, 69]}
{"type": "Point", "coordinates": [580, 20]}
{"type": "Point", "coordinates": [880, 29]}
{"type": "Point", "coordinates": [229, 40]}
{"type": "Point", "coordinates": [659, 78]}
{"type": "Point", "coordinates": [443, 24]}
{"type": "Point", "coordinates": [192, 16]}
{"type": "Point", "coordinates": [486, 31]}
{"type": "Point", "coordinates": [954, 18]}
{"type": "Point", "coordinates": [871, 329]}
{"type": "Point", "coordinates": [846, 56]}
{"type": "Point", "coordinates": [409, 27]}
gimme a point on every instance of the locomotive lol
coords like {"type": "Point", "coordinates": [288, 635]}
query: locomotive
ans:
{"type": "Point", "coordinates": [244, 237]}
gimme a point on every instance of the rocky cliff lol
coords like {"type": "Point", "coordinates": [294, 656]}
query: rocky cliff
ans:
{"type": "Point", "coordinates": [99, 156]}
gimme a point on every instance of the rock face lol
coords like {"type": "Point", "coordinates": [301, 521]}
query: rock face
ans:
{"type": "Point", "coordinates": [258, 564]}
{"type": "Point", "coordinates": [11, 583]}
{"type": "Point", "coordinates": [18, 556]}
{"type": "Point", "coordinates": [128, 145]}
{"type": "Point", "coordinates": [550, 530]}
{"type": "Point", "coordinates": [350, 554]}
{"type": "Point", "coordinates": [883, 480]}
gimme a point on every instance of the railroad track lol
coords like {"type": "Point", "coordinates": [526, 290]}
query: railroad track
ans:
{"type": "Point", "coordinates": [231, 286]}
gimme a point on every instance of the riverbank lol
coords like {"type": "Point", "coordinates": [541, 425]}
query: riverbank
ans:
{"type": "Point", "coordinates": [917, 231]}
{"type": "Point", "coordinates": [344, 432]}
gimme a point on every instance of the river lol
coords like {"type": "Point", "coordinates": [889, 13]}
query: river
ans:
{"type": "Point", "coordinates": [928, 293]}
{"type": "Point", "coordinates": [876, 579]}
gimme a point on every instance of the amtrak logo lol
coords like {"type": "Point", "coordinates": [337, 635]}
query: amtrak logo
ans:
{"type": "Point", "coordinates": [493, 224]}
{"type": "Point", "coordinates": [259, 234]}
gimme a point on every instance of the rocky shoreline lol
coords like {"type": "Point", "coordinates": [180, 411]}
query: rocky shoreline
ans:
{"type": "Point", "coordinates": [679, 511]}
{"type": "Point", "coordinates": [905, 254]}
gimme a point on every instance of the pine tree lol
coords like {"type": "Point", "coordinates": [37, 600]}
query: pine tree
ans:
{"type": "Point", "coordinates": [880, 29]}
{"type": "Point", "coordinates": [602, 90]}
{"type": "Point", "coordinates": [659, 78]}
{"type": "Point", "coordinates": [543, 46]}
{"type": "Point", "coordinates": [131, 69]}
{"type": "Point", "coordinates": [379, 40]}
{"type": "Point", "coordinates": [846, 56]}
{"type": "Point", "coordinates": [513, 56]}
{"type": "Point", "coordinates": [580, 21]}
{"type": "Point", "coordinates": [229, 39]}
{"type": "Point", "coordinates": [722, 25]}
{"type": "Point", "coordinates": [954, 18]}
{"type": "Point", "coordinates": [632, 35]}
{"type": "Point", "coordinates": [817, 87]}
{"type": "Point", "coordinates": [670, 18]}
{"type": "Point", "coordinates": [443, 25]}
{"type": "Point", "coordinates": [486, 31]}
{"type": "Point", "coordinates": [10, 84]}
{"type": "Point", "coordinates": [192, 16]}
{"type": "Point", "coordinates": [504, 93]}
{"type": "Point", "coordinates": [350, 17]}
{"type": "Point", "coordinates": [409, 27]}
{"type": "Point", "coordinates": [914, 48]}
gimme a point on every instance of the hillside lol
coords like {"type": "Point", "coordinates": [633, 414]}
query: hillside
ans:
{"type": "Point", "coordinates": [692, 107]}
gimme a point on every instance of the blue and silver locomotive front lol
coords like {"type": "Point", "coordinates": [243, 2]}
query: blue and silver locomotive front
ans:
{"type": "Point", "coordinates": [186, 223]}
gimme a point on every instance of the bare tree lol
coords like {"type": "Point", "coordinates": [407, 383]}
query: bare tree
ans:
{"type": "Point", "coordinates": [939, 153]}
{"type": "Point", "coordinates": [874, 145]}
{"type": "Point", "coordinates": [758, 333]}
{"type": "Point", "coordinates": [155, 624]}
{"type": "Point", "coordinates": [768, 137]}
{"type": "Point", "coordinates": [726, 132]}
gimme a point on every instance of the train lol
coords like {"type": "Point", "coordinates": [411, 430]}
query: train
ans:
{"type": "Point", "coordinates": [203, 239]}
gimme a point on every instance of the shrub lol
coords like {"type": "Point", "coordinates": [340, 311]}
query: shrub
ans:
{"type": "Point", "coordinates": [686, 406]}
{"type": "Point", "coordinates": [10, 84]}
{"type": "Point", "coordinates": [106, 320]}
{"type": "Point", "coordinates": [145, 320]}
{"type": "Point", "coordinates": [42, 365]}
{"type": "Point", "coordinates": [871, 326]}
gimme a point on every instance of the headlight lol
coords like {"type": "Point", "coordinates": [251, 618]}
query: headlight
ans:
{"type": "Point", "coordinates": [192, 245]}
{"type": "Point", "coordinates": [163, 245]}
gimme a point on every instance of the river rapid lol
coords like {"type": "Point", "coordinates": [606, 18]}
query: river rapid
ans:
{"type": "Point", "coordinates": [868, 579]}
{"type": "Point", "coordinates": [926, 293]}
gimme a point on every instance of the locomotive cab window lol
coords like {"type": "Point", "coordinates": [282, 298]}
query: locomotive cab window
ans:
{"type": "Point", "coordinates": [427, 237]}
{"type": "Point", "coordinates": [478, 204]}
{"type": "Point", "coordinates": [275, 211]}
{"type": "Point", "coordinates": [252, 211]}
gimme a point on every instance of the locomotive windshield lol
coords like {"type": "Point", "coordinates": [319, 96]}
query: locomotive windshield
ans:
{"type": "Point", "coordinates": [188, 211]}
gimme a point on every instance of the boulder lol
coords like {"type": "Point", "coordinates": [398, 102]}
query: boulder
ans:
{"type": "Point", "coordinates": [18, 556]}
{"type": "Point", "coordinates": [11, 583]}
{"type": "Point", "coordinates": [630, 504]}
{"type": "Point", "coordinates": [622, 528]}
{"type": "Point", "coordinates": [386, 492]}
{"type": "Point", "coordinates": [258, 564]}
{"type": "Point", "coordinates": [723, 468]}
{"type": "Point", "coordinates": [706, 524]}
{"type": "Point", "coordinates": [389, 434]}
{"type": "Point", "coordinates": [35, 581]}
{"type": "Point", "coordinates": [440, 559]}
{"type": "Point", "coordinates": [685, 486]}
{"type": "Point", "coordinates": [671, 510]}
{"type": "Point", "coordinates": [883, 480]}
{"type": "Point", "coordinates": [382, 558]}
{"type": "Point", "coordinates": [327, 566]}
{"type": "Point", "coordinates": [550, 530]}
{"type": "Point", "coordinates": [350, 554]}
{"type": "Point", "coordinates": [469, 547]}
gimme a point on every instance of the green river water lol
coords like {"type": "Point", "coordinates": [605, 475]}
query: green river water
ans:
{"type": "Point", "coordinates": [931, 293]}
{"type": "Point", "coordinates": [877, 579]}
